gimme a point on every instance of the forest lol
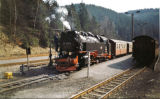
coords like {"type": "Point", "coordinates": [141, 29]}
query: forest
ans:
{"type": "Point", "coordinates": [34, 22]}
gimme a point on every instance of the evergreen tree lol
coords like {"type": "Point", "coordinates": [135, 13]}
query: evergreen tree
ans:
{"type": "Point", "coordinates": [84, 17]}
{"type": "Point", "coordinates": [73, 17]}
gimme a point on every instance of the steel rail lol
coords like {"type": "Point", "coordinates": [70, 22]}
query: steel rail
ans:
{"type": "Point", "coordinates": [28, 81]}
{"type": "Point", "coordinates": [121, 84]}
{"type": "Point", "coordinates": [19, 63]}
{"type": "Point", "coordinates": [22, 56]}
{"type": "Point", "coordinates": [106, 82]}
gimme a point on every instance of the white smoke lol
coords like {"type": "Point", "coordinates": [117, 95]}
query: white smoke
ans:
{"type": "Point", "coordinates": [62, 10]}
{"type": "Point", "coordinates": [65, 23]}
{"type": "Point", "coordinates": [53, 16]}
{"type": "Point", "coordinates": [50, 2]}
{"type": "Point", "coordinates": [63, 13]}
{"type": "Point", "coordinates": [48, 19]}
{"type": "Point", "coordinates": [71, 23]}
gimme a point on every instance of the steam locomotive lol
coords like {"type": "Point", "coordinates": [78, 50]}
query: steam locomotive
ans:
{"type": "Point", "coordinates": [75, 45]}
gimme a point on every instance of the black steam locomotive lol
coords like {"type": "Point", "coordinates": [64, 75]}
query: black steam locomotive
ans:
{"type": "Point", "coordinates": [74, 48]}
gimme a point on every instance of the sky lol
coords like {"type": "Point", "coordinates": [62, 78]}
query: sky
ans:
{"type": "Point", "coordinates": [117, 5]}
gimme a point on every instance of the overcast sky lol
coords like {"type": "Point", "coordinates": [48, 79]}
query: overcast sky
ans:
{"type": "Point", "coordinates": [117, 5]}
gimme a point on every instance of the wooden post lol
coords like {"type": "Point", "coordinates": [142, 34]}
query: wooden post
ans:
{"type": "Point", "coordinates": [28, 52]}
{"type": "Point", "coordinates": [27, 60]}
{"type": "Point", "coordinates": [88, 65]}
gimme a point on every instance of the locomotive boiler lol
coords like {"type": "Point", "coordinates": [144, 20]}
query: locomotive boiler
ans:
{"type": "Point", "coordinates": [74, 46]}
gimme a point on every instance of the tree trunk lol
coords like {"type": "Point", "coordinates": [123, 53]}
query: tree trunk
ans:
{"type": "Point", "coordinates": [10, 17]}
{"type": "Point", "coordinates": [15, 21]}
{"type": "Point", "coordinates": [34, 24]}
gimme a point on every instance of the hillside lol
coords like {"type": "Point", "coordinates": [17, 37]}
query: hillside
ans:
{"type": "Point", "coordinates": [9, 49]}
{"type": "Point", "coordinates": [149, 22]}
{"type": "Point", "coordinates": [33, 22]}
{"type": "Point", "coordinates": [146, 22]}
{"type": "Point", "coordinates": [121, 21]}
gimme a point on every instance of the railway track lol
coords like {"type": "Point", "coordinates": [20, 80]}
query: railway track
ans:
{"type": "Point", "coordinates": [20, 63]}
{"type": "Point", "coordinates": [6, 87]}
{"type": "Point", "coordinates": [23, 56]}
{"type": "Point", "coordinates": [105, 88]}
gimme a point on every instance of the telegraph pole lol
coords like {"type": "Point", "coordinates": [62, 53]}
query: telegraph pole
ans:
{"type": "Point", "coordinates": [159, 28]}
{"type": "Point", "coordinates": [132, 22]}
{"type": "Point", "coordinates": [50, 50]}
{"type": "Point", "coordinates": [88, 69]}
{"type": "Point", "coordinates": [132, 15]}
{"type": "Point", "coordinates": [50, 47]}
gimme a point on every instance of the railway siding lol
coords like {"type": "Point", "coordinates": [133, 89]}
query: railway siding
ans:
{"type": "Point", "coordinates": [20, 63]}
{"type": "Point", "coordinates": [106, 88]}
{"type": "Point", "coordinates": [28, 81]}
{"type": "Point", "coordinates": [23, 56]}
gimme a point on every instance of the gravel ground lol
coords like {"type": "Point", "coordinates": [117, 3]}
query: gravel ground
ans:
{"type": "Point", "coordinates": [144, 86]}
{"type": "Point", "coordinates": [35, 71]}
{"type": "Point", "coordinates": [14, 69]}
{"type": "Point", "coordinates": [77, 81]}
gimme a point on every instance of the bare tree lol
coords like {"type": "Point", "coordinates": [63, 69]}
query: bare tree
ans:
{"type": "Point", "coordinates": [10, 16]}
{"type": "Point", "coordinates": [34, 24]}
{"type": "Point", "coordinates": [15, 18]}
{"type": "Point", "coordinates": [15, 23]}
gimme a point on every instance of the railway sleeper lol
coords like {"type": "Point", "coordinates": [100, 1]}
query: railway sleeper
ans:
{"type": "Point", "coordinates": [115, 83]}
{"type": "Point", "coordinates": [95, 94]}
{"type": "Point", "coordinates": [124, 77]}
{"type": "Point", "coordinates": [106, 88]}
{"type": "Point", "coordinates": [90, 96]}
{"type": "Point", "coordinates": [100, 91]}
{"type": "Point", "coordinates": [110, 85]}
{"type": "Point", "coordinates": [83, 97]}
{"type": "Point", "coordinates": [118, 80]}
